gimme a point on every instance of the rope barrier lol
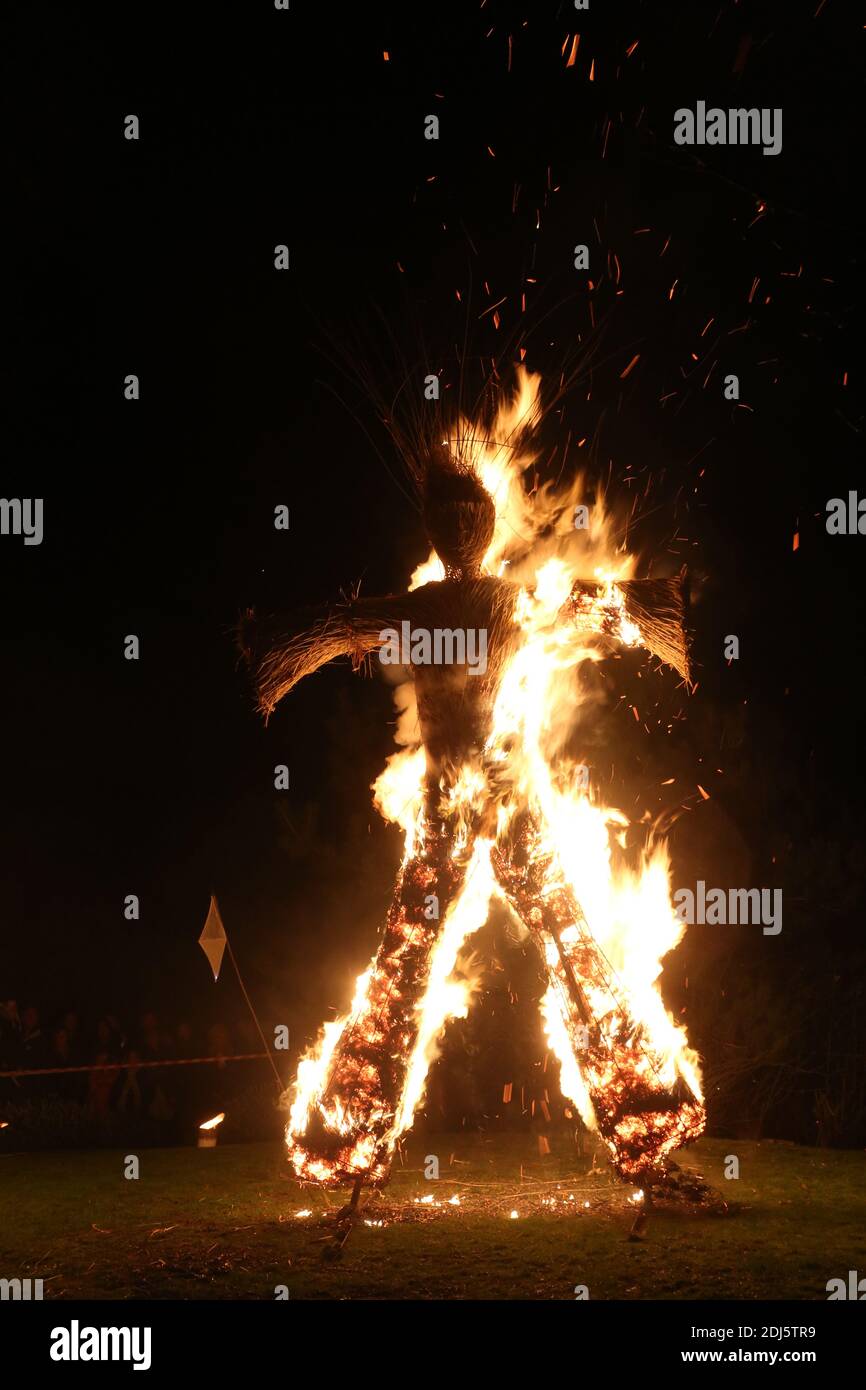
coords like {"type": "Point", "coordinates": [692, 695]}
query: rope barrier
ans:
{"type": "Point", "coordinates": [136, 1066]}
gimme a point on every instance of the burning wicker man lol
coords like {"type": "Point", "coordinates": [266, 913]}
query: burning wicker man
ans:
{"type": "Point", "coordinates": [491, 805]}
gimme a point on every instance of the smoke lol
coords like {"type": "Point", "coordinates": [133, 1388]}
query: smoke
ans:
{"type": "Point", "coordinates": [407, 730]}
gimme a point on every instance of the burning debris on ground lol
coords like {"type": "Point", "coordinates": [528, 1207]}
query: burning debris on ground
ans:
{"type": "Point", "coordinates": [598, 1192]}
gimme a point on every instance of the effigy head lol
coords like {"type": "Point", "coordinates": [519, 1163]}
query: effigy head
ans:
{"type": "Point", "coordinates": [459, 515]}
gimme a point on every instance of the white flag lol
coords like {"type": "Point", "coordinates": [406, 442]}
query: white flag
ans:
{"type": "Point", "coordinates": [213, 938]}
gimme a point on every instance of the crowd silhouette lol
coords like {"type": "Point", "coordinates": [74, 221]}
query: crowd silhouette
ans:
{"type": "Point", "coordinates": [107, 1068]}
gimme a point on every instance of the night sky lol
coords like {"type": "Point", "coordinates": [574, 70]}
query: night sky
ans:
{"type": "Point", "coordinates": [156, 257]}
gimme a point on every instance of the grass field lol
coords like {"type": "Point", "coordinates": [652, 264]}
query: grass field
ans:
{"type": "Point", "coordinates": [221, 1224]}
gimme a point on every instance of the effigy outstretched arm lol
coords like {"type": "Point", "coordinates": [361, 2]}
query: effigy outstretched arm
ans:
{"type": "Point", "coordinates": [649, 613]}
{"type": "Point", "coordinates": [282, 649]}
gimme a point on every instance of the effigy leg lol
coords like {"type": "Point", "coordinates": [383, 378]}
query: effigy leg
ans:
{"type": "Point", "coordinates": [348, 1091]}
{"type": "Point", "coordinates": [643, 1106]}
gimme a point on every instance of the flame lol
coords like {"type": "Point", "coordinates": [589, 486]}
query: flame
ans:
{"type": "Point", "coordinates": [447, 997]}
{"type": "Point", "coordinates": [637, 1081]}
{"type": "Point", "coordinates": [212, 1124]}
{"type": "Point", "coordinates": [398, 794]}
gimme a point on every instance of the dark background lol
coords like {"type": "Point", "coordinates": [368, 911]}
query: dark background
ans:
{"type": "Point", "coordinates": [156, 257]}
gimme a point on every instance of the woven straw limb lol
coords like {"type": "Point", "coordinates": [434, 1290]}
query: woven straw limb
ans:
{"type": "Point", "coordinates": [658, 608]}
{"type": "Point", "coordinates": [282, 650]}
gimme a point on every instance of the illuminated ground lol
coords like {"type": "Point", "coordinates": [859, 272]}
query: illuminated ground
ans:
{"type": "Point", "coordinates": [221, 1224]}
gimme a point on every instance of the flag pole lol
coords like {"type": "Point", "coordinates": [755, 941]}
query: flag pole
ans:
{"type": "Point", "coordinates": [214, 938]}
{"type": "Point", "coordinates": [280, 1086]}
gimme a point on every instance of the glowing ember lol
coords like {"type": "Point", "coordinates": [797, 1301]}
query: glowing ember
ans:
{"type": "Point", "coordinates": [491, 805]}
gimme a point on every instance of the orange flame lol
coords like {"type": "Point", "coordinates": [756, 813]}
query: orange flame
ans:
{"type": "Point", "coordinates": [623, 913]}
